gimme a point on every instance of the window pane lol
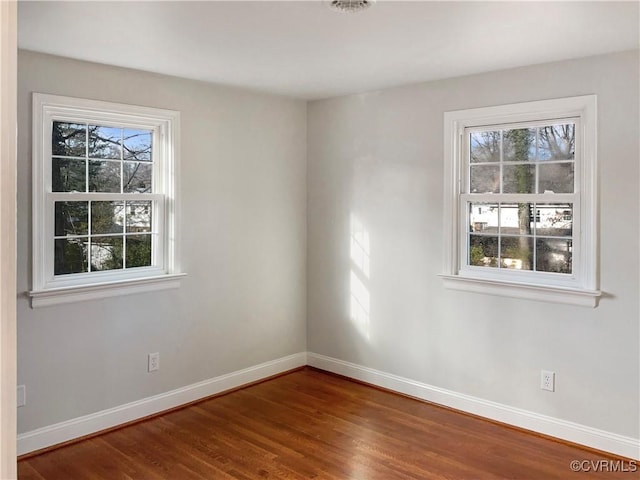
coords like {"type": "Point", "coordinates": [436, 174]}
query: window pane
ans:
{"type": "Point", "coordinates": [69, 139]}
{"type": "Point", "coordinates": [554, 220]}
{"type": "Point", "coordinates": [553, 255]}
{"type": "Point", "coordinates": [70, 256]}
{"type": "Point", "coordinates": [483, 250]}
{"type": "Point", "coordinates": [68, 175]}
{"type": "Point", "coordinates": [557, 142]}
{"type": "Point", "coordinates": [519, 145]}
{"type": "Point", "coordinates": [483, 217]}
{"type": "Point", "coordinates": [107, 217]}
{"type": "Point", "coordinates": [106, 253]}
{"type": "Point", "coordinates": [71, 218]}
{"type": "Point", "coordinates": [519, 179]}
{"type": "Point", "coordinates": [138, 216]}
{"type": "Point", "coordinates": [484, 179]}
{"type": "Point", "coordinates": [104, 176]}
{"type": "Point", "coordinates": [137, 177]}
{"type": "Point", "coordinates": [138, 251]}
{"type": "Point", "coordinates": [137, 144]}
{"type": "Point", "coordinates": [556, 178]}
{"type": "Point", "coordinates": [516, 253]}
{"type": "Point", "coordinates": [105, 142]}
{"type": "Point", "coordinates": [484, 147]}
{"type": "Point", "coordinates": [516, 218]}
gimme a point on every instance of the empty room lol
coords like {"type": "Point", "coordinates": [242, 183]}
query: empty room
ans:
{"type": "Point", "coordinates": [345, 239]}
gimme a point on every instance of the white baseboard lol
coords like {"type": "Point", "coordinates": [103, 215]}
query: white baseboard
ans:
{"type": "Point", "coordinates": [572, 432]}
{"type": "Point", "coordinates": [95, 422]}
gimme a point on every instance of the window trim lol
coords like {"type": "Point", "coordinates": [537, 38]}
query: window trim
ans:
{"type": "Point", "coordinates": [582, 288]}
{"type": "Point", "coordinates": [46, 288]}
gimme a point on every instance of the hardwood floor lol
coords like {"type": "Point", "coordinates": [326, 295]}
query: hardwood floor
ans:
{"type": "Point", "coordinates": [310, 424]}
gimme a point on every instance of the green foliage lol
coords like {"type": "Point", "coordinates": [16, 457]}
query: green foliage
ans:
{"type": "Point", "coordinates": [70, 257]}
{"type": "Point", "coordinates": [523, 253]}
{"type": "Point", "coordinates": [476, 255]}
{"type": "Point", "coordinates": [138, 251]}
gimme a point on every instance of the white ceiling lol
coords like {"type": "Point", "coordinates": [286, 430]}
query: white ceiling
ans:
{"type": "Point", "coordinates": [304, 49]}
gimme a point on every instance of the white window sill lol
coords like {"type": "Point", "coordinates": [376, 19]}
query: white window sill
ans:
{"type": "Point", "coordinates": [57, 296]}
{"type": "Point", "coordinates": [570, 296]}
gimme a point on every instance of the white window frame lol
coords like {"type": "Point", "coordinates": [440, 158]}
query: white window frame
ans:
{"type": "Point", "coordinates": [50, 289]}
{"type": "Point", "coordinates": [579, 288]}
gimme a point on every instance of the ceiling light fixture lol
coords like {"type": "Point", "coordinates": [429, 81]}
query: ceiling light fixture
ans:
{"type": "Point", "coordinates": [350, 6]}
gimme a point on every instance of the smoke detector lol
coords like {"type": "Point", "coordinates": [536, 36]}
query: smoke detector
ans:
{"type": "Point", "coordinates": [350, 6]}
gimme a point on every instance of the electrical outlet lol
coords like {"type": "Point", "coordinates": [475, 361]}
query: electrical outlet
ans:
{"type": "Point", "coordinates": [154, 362]}
{"type": "Point", "coordinates": [547, 380]}
{"type": "Point", "coordinates": [22, 395]}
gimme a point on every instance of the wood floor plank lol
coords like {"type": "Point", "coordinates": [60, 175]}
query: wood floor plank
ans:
{"type": "Point", "coordinates": [313, 425]}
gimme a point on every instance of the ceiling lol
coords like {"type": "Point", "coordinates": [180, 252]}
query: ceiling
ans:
{"type": "Point", "coordinates": [304, 49]}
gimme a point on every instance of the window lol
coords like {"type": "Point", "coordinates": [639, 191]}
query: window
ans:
{"type": "Point", "coordinates": [520, 200]}
{"type": "Point", "coordinates": [104, 199]}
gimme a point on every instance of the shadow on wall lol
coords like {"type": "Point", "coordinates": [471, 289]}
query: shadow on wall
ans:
{"type": "Point", "coordinates": [360, 302]}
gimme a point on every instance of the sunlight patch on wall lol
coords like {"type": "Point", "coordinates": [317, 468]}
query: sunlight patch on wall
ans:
{"type": "Point", "coordinates": [359, 246]}
{"type": "Point", "coordinates": [360, 271]}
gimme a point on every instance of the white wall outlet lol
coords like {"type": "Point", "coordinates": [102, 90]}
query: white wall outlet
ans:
{"type": "Point", "coordinates": [547, 380]}
{"type": "Point", "coordinates": [154, 362]}
{"type": "Point", "coordinates": [22, 395]}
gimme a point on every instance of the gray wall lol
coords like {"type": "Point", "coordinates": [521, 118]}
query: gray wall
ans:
{"type": "Point", "coordinates": [243, 237]}
{"type": "Point", "coordinates": [378, 157]}
{"type": "Point", "coordinates": [250, 200]}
